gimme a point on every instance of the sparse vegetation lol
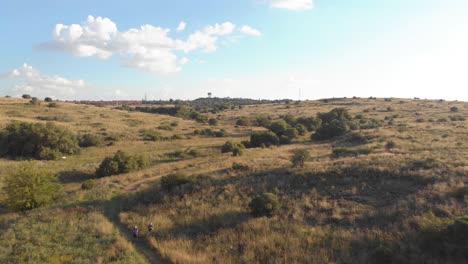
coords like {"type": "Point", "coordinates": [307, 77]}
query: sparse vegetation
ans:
{"type": "Point", "coordinates": [30, 186]}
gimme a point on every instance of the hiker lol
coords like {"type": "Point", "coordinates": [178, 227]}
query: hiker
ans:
{"type": "Point", "coordinates": [135, 231]}
{"type": "Point", "coordinates": [150, 229]}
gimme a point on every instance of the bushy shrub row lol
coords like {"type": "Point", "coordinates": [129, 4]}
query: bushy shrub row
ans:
{"type": "Point", "coordinates": [36, 140]}
{"type": "Point", "coordinates": [120, 163]}
{"type": "Point", "coordinates": [210, 133]}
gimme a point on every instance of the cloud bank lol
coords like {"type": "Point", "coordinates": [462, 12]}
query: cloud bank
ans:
{"type": "Point", "coordinates": [148, 48]}
{"type": "Point", "coordinates": [42, 85]}
{"type": "Point", "coordinates": [292, 4]}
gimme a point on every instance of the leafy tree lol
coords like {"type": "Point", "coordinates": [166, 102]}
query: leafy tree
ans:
{"type": "Point", "coordinates": [37, 140]}
{"type": "Point", "coordinates": [26, 96]}
{"type": "Point", "coordinates": [336, 127]}
{"type": "Point", "coordinates": [48, 99]}
{"type": "Point", "coordinates": [120, 163]}
{"type": "Point", "coordinates": [212, 121]}
{"type": "Point", "coordinates": [266, 204]}
{"type": "Point", "coordinates": [337, 113]}
{"type": "Point", "coordinates": [30, 186]}
{"type": "Point", "coordinates": [258, 139]}
{"type": "Point", "coordinates": [299, 157]}
{"type": "Point", "coordinates": [89, 140]}
{"type": "Point", "coordinates": [263, 121]}
{"type": "Point", "coordinates": [279, 127]}
{"type": "Point", "coordinates": [310, 123]}
{"type": "Point", "coordinates": [290, 119]}
{"type": "Point", "coordinates": [35, 101]}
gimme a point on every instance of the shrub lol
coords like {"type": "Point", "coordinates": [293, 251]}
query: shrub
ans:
{"type": "Point", "coordinates": [299, 157]}
{"type": "Point", "coordinates": [301, 129]}
{"type": "Point", "coordinates": [37, 141]}
{"type": "Point", "coordinates": [289, 135]}
{"type": "Point", "coordinates": [165, 127]}
{"type": "Point", "coordinates": [243, 121]}
{"type": "Point", "coordinates": [212, 121]}
{"type": "Point", "coordinates": [279, 127]}
{"type": "Point", "coordinates": [89, 140]}
{"type": "Point", "coordinates": [30, 186]}
{"type": "Point", "coordinates": [266, 204]}
{"type": "Point", "coordinates": [120, 163]}
{"type": "Point", "coordinates": [337, 113]}
{"type": "Point", "coordinates": [48, 99]}
{"type": "Point", "coordinates": [240, 167]}
{"type": "Point", "coordinates": [151, 135]}
{"type": "Point", "coordinates": [26, 96]}
{"type": "Point", "coordinates": [53, 105]}
{"type": "Point", "coordinates": [174, 180]}
{"type": "Point", "coordinates": [390, 145]}
{"type": "Point", "coordinates": [336, 127]}
{"type": "Point", "coordinates": [310, 123]}
{"type": "Point", "coordinates": [263, 121]}
{"type": "Point", "coordinates": [238, 150]}
{"type": "Point", "coordinates": [454, 109]}
{"type": "Point", "coordinates": [35, 101]}
{"type": "Point", "coordinates": [257, 139]}
{"type": "Point", "coordinates": [228, 147]}
{"type": "Point", "coordinates": [88, 185]}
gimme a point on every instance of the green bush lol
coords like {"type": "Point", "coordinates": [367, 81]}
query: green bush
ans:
{"type": "Point", "coordinates": [212, 121]}
{"type": "Point", "coordinates": [26, 96]}
{"type": "Point", "coordinates": [279, 127]}
{"type": "Point", "coordinates": [263, 121]}
{"type": "Point", "coordinates": [310, 123]}
{"type": "Point", "coordinates": [258, 139]}
{"type": "Point", "coordinates": [336, 127]}
{"type": "Point", "coordinates": [35, 101]}
{"type": "Point", "coordinates": [240, 167]}
{"type": "Point", "coordinates": [454, 109]}
{"type": "Point", "coordinates": [301, 129]}
{"type": "Point", "coordinates": [88, 185]}
{"type": "Point", "coordinates": [299, 157]}
{"type": "Point", "coordinates": [53, 105]}
{"type": "Point", "coordinates": [37, 141]}
{"type": "Point", "coordinates": [238, 150]}
{"type": "Point", "coordinates": [228, 147]}
{"type": "Point", "coordinates": [90, 140]}
{"type": "Point", "coordinates": [171, 181]}
{"type": "Point", "coordinates": [266, 204]}
{"type": "Point", "coordinates": [243, 121]}
{"type": "Point", "coordinates": [48, 99]}
{"type": "Point", "coordinates": [151, 135]}
{"type": "Point", "coordinates": [30, 186]}
{"type": "Point", "coordinates": [120, 163]}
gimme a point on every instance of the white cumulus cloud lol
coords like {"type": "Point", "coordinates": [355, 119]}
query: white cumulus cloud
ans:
{"type": "Point", "coordinates": [32, 81]}
{"type": "Point", "coordinates": [148, 47]}
{"type": "Point", "coordinates": [250, 31]}
{"type": "Point", "coordinates": [292, 4]}
{"type": "Point", "coordinates": [181, 26]}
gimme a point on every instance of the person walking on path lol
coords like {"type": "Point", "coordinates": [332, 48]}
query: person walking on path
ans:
{"type": "Point", "coordinates": [150, 229]}
{"type": "Point", "coordinates": [135, 231]}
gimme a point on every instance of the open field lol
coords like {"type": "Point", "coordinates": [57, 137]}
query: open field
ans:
{"type": "Point", "coordinates": [354, 201]}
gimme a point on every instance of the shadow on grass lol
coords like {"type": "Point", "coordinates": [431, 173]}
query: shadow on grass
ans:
{"type": "Point", "coordinates": [206, 226]}
{"type": "Point", "coordinates": [74, 176]}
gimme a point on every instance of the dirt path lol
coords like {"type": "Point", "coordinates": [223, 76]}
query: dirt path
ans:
{"type": "Point", "coordinates": [111, 211]}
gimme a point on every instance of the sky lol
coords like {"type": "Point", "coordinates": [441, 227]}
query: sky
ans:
{"type": "Point", "coordinates": [268, 49]}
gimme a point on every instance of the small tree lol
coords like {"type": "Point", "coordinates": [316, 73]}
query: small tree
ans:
{"type": "Point", "coordinates": [299, 157]}
{"type": "Point", "coordinates": [35, 101]}
{"type": "Point", "coordinates": [48, 99]}
{"type": "Point", "coordinates": [26, 96]}
{"type": "Point", "coordinates": [212, 121]}
{"type": "Point", "coordinates": [266, 204]}
{"type": "Point", "coordinates": [30, 186]}
{"type": "Point", "coordinates": [120, 163]}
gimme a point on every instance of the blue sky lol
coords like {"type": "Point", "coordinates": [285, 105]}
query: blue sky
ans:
{"type": "Point", "coordinates": [248, 48]}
